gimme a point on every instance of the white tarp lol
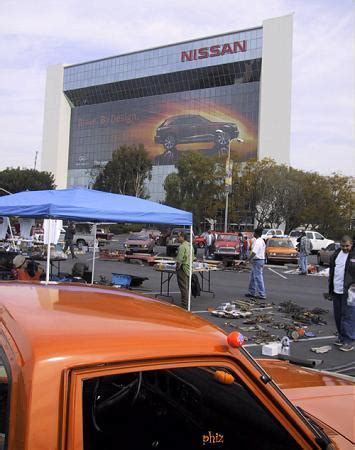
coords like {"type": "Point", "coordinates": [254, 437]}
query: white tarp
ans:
{"type": "Point", "coordinates": [25, 227]}
{"type": "Point", "coordinates": [4, 223]}
{"type": "Point", "coordinates": [52, 233]}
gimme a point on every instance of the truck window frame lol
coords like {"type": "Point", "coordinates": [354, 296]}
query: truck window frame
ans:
{"type": "Point", "coordinates": [297, 425]}
{"type": "Point", "coordinates": [8, 371]}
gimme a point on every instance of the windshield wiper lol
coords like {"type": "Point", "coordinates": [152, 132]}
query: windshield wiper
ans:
{"type": "Point", "coordinates": [322, 438]}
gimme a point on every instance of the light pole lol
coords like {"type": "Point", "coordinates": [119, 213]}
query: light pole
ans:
{"type": "Point", "coordinates": [35, 164]}
{"type": "Point", "coordinates": [228, 181]}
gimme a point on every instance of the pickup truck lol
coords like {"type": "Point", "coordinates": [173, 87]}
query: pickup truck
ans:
{"type": "Point", "coordinates": [318, 241]}
{"type": "Point", "coordinates": [84, 368]}
{"type": "Point", "coordinates": [85, 237]}
{"type": "Point", "coordinates": [172, 243]}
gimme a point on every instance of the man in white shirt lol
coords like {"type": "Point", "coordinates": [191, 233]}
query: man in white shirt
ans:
{"type": "Point", "coordinates": [341, 277]}
{"type": "Point", "coordinates": [209, 238]}
{"type": "Point", "coordinates": [257, 259]}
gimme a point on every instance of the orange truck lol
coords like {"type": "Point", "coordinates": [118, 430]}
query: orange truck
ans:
{"type": "Point", "coordinates": [88, 368]}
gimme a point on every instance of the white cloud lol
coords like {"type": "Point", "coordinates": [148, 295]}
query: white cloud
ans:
{"type": "Point", "coordinates": [37, 33]}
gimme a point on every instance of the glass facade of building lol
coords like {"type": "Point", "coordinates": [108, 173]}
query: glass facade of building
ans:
{"type": "Point", "coordinates": [196, 95]}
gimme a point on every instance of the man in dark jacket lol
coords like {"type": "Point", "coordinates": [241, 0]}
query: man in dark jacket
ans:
{"type": "Point", "coordinates": [341, 277]}
{"type": "Point", "coordinates": [69, 238]}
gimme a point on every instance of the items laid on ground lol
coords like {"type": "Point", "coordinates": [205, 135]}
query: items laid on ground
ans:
{"type": "Point", "coordinates": [312, 270]}
{"type": "Point", "coordinates": [323, 349]}
{"type": "Point", "coordinates": [258, 315]}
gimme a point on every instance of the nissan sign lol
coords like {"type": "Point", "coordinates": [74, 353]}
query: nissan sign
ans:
{"type": "Point", "coordinates": [214, 50]}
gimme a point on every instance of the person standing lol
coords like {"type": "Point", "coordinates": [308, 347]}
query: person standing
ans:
{"type": "Point", "coordinates": [241, 246]}
{"type": "Point", "coordinates": [183, 268]}
{"type": "Point", "coordinates": [246, 247]}
{"type": "Point", "coordinates": [341, 277]}
{"type": "Point", "coordinates": [257, 259]}
{"type": "Point", "coordinates": [69, 238]}
{"type": "Point", "coordinates": [305, 250]}
{"type": "Point", "coordinates": [209, 243]}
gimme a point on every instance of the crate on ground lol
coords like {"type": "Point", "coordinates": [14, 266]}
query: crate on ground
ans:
{"type": "Point", "coordinates": [121, 280]}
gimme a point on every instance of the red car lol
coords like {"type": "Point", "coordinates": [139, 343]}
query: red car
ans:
{"type": "Point", "coordinates": [200, 241]}
{"type": "Point", "coordinates": [227, 245]}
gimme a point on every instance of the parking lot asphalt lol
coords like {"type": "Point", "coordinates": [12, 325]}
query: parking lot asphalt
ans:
{"type": "Point", "coordinates": [229, 285]}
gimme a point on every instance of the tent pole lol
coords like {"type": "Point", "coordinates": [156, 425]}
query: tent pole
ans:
{"type": "Point", "coordinates": [48, 250]}
{"type": "Point", "coordinates": [93, 254]}
{"type": "Point", "coordinates": [190, 274]}
{"type": "Point", "coordinates": [12, 234]}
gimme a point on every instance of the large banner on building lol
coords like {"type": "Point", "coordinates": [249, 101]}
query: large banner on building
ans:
{"type": "Point", "coordinates": [206, 121]}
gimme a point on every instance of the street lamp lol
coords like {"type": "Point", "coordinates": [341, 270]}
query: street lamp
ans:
{"type": "Point", "coordinates": [228, 180]}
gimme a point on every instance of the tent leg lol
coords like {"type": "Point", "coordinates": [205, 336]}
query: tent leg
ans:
{"type": "Point", "coordinates": [190, 274]}
{"type": "Point", "coordinates": [12, 234]}
{"type": "Point", "coordinates": [48, 250]}
{"type": "Point", "coordinates": [93, 254]}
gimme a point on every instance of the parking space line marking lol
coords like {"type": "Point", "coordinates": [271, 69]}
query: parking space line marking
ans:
{"type": "Point", "coordinates": [298, 340]}
{"type": "Point", "coordinates": [199, 312]}
{"type": "Point", "coordinates": [277, 273]}
{"type": "Point", "coordinates": [171, 292]}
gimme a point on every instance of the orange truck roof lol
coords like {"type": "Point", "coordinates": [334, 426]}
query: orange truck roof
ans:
{"type": "Point", "coordinates": [55, 319]}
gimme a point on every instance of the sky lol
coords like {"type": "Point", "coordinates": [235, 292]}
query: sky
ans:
{"type": "Point", "coordinates": [37, 33]}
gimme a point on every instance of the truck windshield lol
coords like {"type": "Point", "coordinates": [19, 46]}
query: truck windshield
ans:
{"type": "Point", "coordinates": [175, 409]}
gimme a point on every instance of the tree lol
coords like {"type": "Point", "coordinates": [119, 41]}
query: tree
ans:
{"type": "Point", "coordinates": [255, 189]}
{"type": "Point", "coordinates": [269, 193]}
{"type": "Point", "coordinates": [18, 180]}
{"type": "Point", "coordinates": [126, 172]}
{"type": "Point", "coordinates": [197, 186]}
{"type": "Point", "coordinates": [328, 203]}
{"type": "Point", "coordinates": [290, 197]}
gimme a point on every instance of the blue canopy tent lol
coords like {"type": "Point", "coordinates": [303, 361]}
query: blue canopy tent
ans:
{"type": "Point", "coordinates": [81, 204]}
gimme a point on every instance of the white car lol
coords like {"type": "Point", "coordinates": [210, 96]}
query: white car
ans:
{"type": "Point", "coordinates": [294, 235]}
{"type": "Point", "coordinates": [271, 232]}
{"type": "Point", "coordinates": [317, 240]}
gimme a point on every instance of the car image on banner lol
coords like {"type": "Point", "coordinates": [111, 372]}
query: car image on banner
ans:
{"type": "Point", "coordinates": [191, 128]}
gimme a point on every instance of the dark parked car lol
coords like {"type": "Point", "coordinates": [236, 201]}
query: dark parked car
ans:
{"type": "Point", "coordinates": [191, 128]}
{"type": "Point", "coordinates": [324, 254]}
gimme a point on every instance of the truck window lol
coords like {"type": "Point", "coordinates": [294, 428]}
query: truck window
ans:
{"type": "Point", "coordinates": [184, 408]}
{"type": "Point", "coordinates": [4, 402]}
